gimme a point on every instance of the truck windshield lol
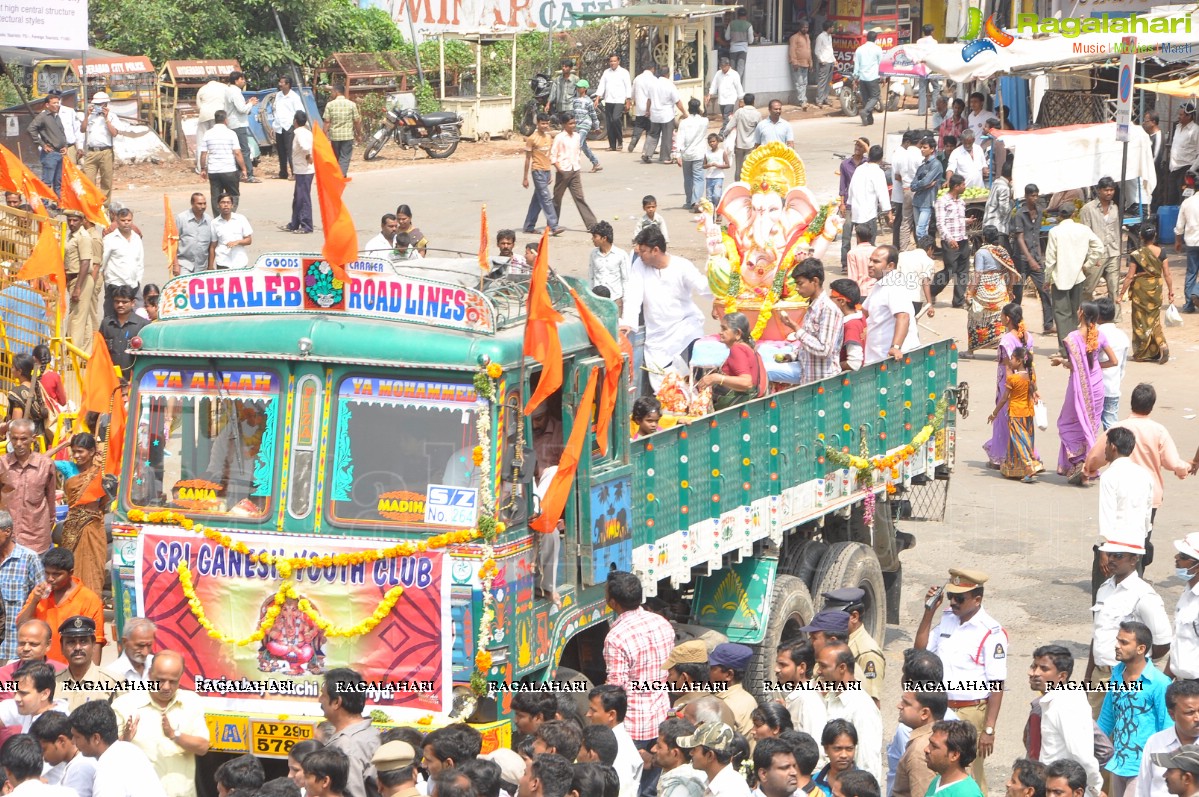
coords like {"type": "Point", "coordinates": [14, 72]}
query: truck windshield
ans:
{"type": "Point", "coordinates": [205, 441]}
{"type": "Point", "coordinates": [396, 437]}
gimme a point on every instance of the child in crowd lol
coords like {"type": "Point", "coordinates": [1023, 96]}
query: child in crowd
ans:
{"type": "Point", "coordinates": [1019, 394]}
{"type": "Point", "coordinates": [608, 265]}
{"type": "Point", "coordinates": [506, 263]}
{"type": "Point", "coordinates": [649, 204]}
{"type": "Point", "coordinates": [848, 298]}
{"type": "Point", "coordinates": [716, 160]}
{"type": "Point", "coordinates": [405, 250]}
{"type": "Point", "coordinates": [647, 412]}
{"type": "Point", "coordinates": [1122, 348]}
{"type": "Point", "coordinates": [531, 253]}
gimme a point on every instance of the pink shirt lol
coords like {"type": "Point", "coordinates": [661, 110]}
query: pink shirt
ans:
{"type": "Point", "coordinates": [635, 649]}
{"type": "Point", "coordinates": [1154, 451]}
{"type": "Point", "coordinates": [857, 261]}
{"type": "Point", "coordinates": [564, 154]}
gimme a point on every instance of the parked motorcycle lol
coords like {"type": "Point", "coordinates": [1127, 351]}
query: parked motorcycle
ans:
{"type": "Point", "coordinates": [540, 85]}
{"type": "Point", "coordinates": [850, 97]}
{"type": "Point", "coordinates": [436, 133]}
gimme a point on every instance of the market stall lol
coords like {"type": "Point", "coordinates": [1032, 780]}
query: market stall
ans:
{"type": "Point", "coordinates": [485, 103]}
{"type": "Point", "coordinates": [365, 73]}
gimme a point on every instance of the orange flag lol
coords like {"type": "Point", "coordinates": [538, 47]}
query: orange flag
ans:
{"type": "Point", "coordinates": [484, 260]}
{"type": "Point", "coordinates": [116, 449]}
{"type": "Point", "coordinates": [341, 240]}
{"type": "Point", "coordinates": [541, 328]}
{"type": "Point", "coordinates": [554, 500]}
{"type": "Point", "coordinates": [101, 379]}
{"type": "Point", "coordinates": [170, 233]}
{"type": "Point", "coordinates": [609, 349]}
{"type": "Point", "coordinates": [46, 261]}
{"type": "Point", "coordinates": [16, 176]}
{"type": "Point", "coordinates": [81, 194]}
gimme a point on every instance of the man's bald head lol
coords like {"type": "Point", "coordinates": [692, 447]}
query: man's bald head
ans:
{"type": "Point", "coordinates": [33, 640]}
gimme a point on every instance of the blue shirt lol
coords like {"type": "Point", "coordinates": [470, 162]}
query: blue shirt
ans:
{"type": "Point", "coordinates": [1141, 714]}
{"type": "Point", "coordinates": [866, 60]}
{"type": "Point", "coordinates": [26, 322]}
{"type": "Point", "coordinates": [768, 131]}
{"type": "Point", "coordinates": [19, 574]}
{"type": "Point", "coordinates": [929, 175]}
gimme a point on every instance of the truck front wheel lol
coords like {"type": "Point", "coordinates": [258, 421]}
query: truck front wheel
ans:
{"type": "Point", "coordinates": [852, 564]}
{"type": "Point", "coordinates": [790, 610]}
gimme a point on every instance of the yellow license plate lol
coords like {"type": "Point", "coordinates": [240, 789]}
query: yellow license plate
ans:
{"type": "Point", "coordinates": [275, 739]}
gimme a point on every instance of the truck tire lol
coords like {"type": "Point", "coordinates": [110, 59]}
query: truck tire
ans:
{"type": "Point", "coordinates": [790, 609]}
{"type": "Point", "coordinates": [852, 564]}
{"type": "Point", "coordinates": [809, 563]}
{"type": "Point", "coordinates": [565, 674]}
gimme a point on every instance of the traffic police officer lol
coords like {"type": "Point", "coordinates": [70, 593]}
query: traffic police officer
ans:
{"type": "Point", "coordinates": [869, 664]}
{"type": "Point", "coordinates": [1184, 648]}
{"type": "Point", "coordinates": [972, 647]}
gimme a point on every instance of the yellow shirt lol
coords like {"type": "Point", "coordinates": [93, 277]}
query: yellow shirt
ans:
{"type": "Point", "coordinates": [869, 664]}
{"type": "Point", "coordinates": [94, 685]}
{"type": "Point", "coordinates": [175, 766]}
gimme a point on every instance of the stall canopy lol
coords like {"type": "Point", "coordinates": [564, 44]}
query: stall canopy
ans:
{"type": "Point", "coordinates": [897, 61]}
{"type": "Point", "coordinates": [1185, 88]}
{"type": "Point", "coordinates": [1027, 54]}
{"type": "Point", "coordinates": [1060, 158]}
{"type": "Point", "coordinates": [655, 11]}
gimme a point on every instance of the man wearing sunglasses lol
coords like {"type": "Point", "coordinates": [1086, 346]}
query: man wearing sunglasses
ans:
{"type": "Point", "coordinates": [973, 647]}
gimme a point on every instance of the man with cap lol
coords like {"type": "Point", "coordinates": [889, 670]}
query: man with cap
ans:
{"type": "Point", "coordinates": [84, 283]}
{"type": "Point", "coordinates": [867, 654]}
{"type": "Point", "coordinates": [828, 627]}
{"type": "Point", "coordinates": [394, 763]}
{"type": "Point", "coordinates": [688, 664]}
{"type": "Point", "coordinates": [973, 647]}
{"type": "Point", "coordinates": [512, 769]}
{"type": "Point", "coordinates": [844, 699]}
{"type": "Point", "coordinates": [82, 680]}
{"type": "Point", "coordinates": [711, 749]}
{"type": "Point", "coordinates": [1184, 647]}
{"type": "Point", "coordinates": [1184, 152]}
{"type": "Point", "coordinates": [1182, 770]}
{"type": "Point", "coordinates": [99, 134]}
{"type": "Point", "coordinates": [727, 663]}
{"type": "Point", "coordinates": [1124, 596]}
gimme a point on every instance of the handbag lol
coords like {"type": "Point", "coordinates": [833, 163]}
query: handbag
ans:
{"type": "Point", "coordinates": [1040, 415]}
{"type": "Point", "coordinates": [1173, 317]}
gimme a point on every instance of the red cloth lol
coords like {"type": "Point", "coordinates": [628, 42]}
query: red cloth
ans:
{"type": "Point", "coordinates": [1032, 734]}
{"type": "Point", "coordinates": [744, 361]}
{"type": "Point", "coordinates": [52, 384]}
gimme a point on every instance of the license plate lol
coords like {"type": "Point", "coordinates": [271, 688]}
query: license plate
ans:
{"type": "Point", "coordinates": [275, 739]}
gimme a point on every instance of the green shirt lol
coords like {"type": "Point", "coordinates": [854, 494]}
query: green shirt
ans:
{"type": "Point", "coordinates": [966, 787]}
{"type": "Point", "coordinates": [340, 116]}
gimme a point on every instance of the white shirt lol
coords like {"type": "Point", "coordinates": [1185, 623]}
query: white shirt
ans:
{"type": "Point", "coordinates": [628, 764]}
{"type": "Point", "coordinates": [888, 297]}
{"type": "Point", "coordinates": [286, 106]}
{"type": "Point", "coordinates": [97, 129]}
{"type": "Point", "coordinates": [904, 163]}
{"type": "Point", "coordinates": [858, 707]}
{"type": "Point", "coordinates": [662, 99]}
{"type": "Point", "coordinates": [727, 783]}
{"type": "Point", "coordinates": [1151, 782]}
{"type": "Point", "coordinates": [124, 771]}
{"type": "Point", "coordinates": [641, 89]}
{"type": "Point", "coordinates": [35, 788]}
{"type": "Point", "coordinates": [1184, 648]}
{"type": "Point", "coordinates": [1067, 731]}
{"type": "Point", "coordinates": [378, 244]}
{"type": "Point", "coordinates": [610, 270]}
{"type": "Point", "coordinates": [975, 651]}
{"type": "Point", "coordinates": [867, 194]}
{"type": "Point", "coordinates": [691, 140]}
{"type": "Point", "coordinates": [237, 109]}
{"type": "Point", "coordinates": [1071, 248]}
{"type": "Point", "coordinates": [975, 122]}
{"type": "Point", "coordinates": [1125, 501]}
{"type": "Point", "coordinates": [808, 714]}
{"type": "Point", "coordinates": [210, 99]}
{"type": "Point", "coordinates": [1131, 599]}
{"type": "Point", "coordinates": [9, 715]}
{"type": "Point", "coordinates": [301, 150]}
{"type": "Point", "coordinates": [926, 41]}
{"type": "Point", "coordinates": [726, 87]}
{"type": "Point", "coordinates": [220, 143]}
{"type": "Point", "coordinates": [124, 259]}
{"type": "Point", "coordinates": [1184, 147]}
{"type": "Point", "coordinates": [236, 228]}
{"type": "Point", "coordinates": [615, 85]}
{"type": "Point", "coordinates": [122, 669]}
{"type": "Point", "coordinates": [1187, 225]}
{"type": "Point", "coordinates": [823, 48]}
{"type": "Point", "coordinates": [671, 318]}
{"type": "Point", "coordinates": [915, 266]}
{"type": "Point", "coordinates": [968, 164]}
{"type": "Point", "coordinates": [76, 774]}
{"type": "Point", "coordinates": [70, 124]}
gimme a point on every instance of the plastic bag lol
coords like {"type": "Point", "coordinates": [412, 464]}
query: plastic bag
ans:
{"type": "Point", "coordinates": [1040, 415]}
{"type": "Point", "coordinates": [1173, 317]}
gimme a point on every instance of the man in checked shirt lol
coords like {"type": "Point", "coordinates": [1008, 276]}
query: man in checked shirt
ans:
{"type": "Point", "coordinates": [634, 651]}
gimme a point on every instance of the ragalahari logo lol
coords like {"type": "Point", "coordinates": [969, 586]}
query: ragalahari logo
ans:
{"type": "Point", "coordinates": [982, 38]}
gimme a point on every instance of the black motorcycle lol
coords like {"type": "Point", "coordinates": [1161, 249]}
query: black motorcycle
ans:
{"type": "Point", "coordinates": [436, 133]}
{"type": "Point", "coordinates": [540, 85]}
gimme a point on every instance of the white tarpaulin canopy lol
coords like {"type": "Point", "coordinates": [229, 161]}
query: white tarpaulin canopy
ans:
{"type": "Point", "coordinates": [1026, 54]}
{"type": "Point", "coordinates": [1076, 156]}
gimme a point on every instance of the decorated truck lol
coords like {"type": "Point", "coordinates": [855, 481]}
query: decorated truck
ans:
{"type": "Point", "coordinates": [323, 473]}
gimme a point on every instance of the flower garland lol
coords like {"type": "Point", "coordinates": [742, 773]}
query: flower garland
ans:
{"type": "Point", "coordinates": [767, 310]}
{"type": "Point", "coordinates": [489, 527]}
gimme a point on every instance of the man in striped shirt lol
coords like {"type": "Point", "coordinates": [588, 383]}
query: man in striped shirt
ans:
{"type": "Point", "coordinates": [817, 353]}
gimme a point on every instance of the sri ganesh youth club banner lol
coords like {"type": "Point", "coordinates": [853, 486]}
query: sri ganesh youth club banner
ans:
{"type": "Point", "coordinates": [407, 646]}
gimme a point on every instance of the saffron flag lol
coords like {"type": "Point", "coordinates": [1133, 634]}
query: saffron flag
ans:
{"type": "Point", "coordinates": [609, 349]}
{"type": "Point", "coordinates": [170, 233]}
{"type": "Point", "coordinates": [16, 176]}
{"type": "Point", "coordinates": [554, 500]}
{"type": "Point", "coordinates": [46, 261]}
{"type": "Point", "coordinates": [115, 444]}
{"type": "Point", "coordinates": [100, 382]}
{"type": "Point", "coordinates": [541, 328]}
{"type": "Point", "coordinates": [341, 240]}
{"type": "Point", "coordinates": [81, 194]}
{"type": "Point", "coordinates": [484, 260]}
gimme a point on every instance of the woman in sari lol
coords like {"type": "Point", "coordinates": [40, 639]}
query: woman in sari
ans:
{"type": "Point", "coordinates": [83, 530]}
{"type": "Point", "coordinates": [1017, 336]}
{"type": "Point", "coordinates": [988, 292]}
{"type": "Point", "coordinates": [1078, 425]}
{"type": "Point", "coordinates": [1146, 271]}
{"type": "Point", "coordinates": [743, 376]}
{"type": "Point", "coordinates": [1017, 401]}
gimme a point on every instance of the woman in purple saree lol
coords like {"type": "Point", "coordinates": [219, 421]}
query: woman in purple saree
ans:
{"type": "Point", "coordinates": [1017, 336]}
{"type": "Point", "coordinates": [1078, 425]}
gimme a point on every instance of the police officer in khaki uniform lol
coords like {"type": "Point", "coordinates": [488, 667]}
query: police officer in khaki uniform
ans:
{"type": "Point", "coordinates": [972, 647]}
{"type": "Point", "coordinates": [397, 776]}
{"type": "Point", "coordinates": [688, 664]}
{"type": "Point", "coordinates": [728, 662]}
{"type": "Point", "coordinates": [869, 664]}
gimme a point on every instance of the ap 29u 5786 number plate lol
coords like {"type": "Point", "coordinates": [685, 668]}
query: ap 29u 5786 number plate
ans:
{"type": "Point", "coordinates": [275, 739]}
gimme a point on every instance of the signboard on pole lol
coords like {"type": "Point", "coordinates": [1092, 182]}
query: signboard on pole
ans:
{"type": "Point", "coordinates": [1128, 65]}
{"type": "Point", "coordinates": [46, 25]}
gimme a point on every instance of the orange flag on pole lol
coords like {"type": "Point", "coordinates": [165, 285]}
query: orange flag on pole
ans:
{"type": "Point", "coordinates": [101, 379]}
{"type": "Point", "coordinates": [16, 176]}
{"type": "Point", "coordinates": [609, 349]}
{"type": "Point", "coordinates": [46, 261]}
{"type": "Point", "coordinates": [170, 233]}
{"type": "Point", "coordinates": [484, 260]}
{"type": "Point", "coordinates": [81, 194]}
{"type": "Point", "coordinates": [115, 442]}
{"type": "Point", "coordinates": [541, 328]}
{"type": "Point", "coordinates": [554, 500]}
{"type": "Point", "coordinates": [341, 240]}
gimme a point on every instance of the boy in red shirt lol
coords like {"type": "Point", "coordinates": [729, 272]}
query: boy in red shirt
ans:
{"type": "Point", "coordinates": [60, 597]}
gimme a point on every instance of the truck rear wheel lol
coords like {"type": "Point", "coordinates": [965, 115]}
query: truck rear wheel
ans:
{"type": "Point", "coordinates": [852, 564]}
{"type": "Point", "coordinates": [790, 610]}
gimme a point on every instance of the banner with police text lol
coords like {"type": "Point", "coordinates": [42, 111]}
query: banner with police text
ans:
{"type": "Point", "coordinates": [408, 652]}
